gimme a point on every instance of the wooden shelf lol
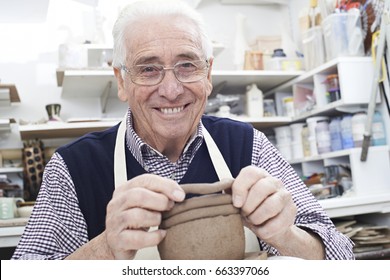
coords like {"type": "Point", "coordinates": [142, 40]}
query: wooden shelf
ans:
{"type": "Point", "coordinates": [63, 129]}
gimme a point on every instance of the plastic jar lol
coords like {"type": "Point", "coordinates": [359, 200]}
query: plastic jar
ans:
{"type": "Point", "coordinates": [378, 132]}
{"type": "Point", "coordinates": [288, 106]}
{"type": "Point", "coordinates": [346, 131]}
{"type": "Point", "coordinates": [358, 124]}
{"type": "Point", "coordinates": [312, 123]}
{"type": "Point", "coordinates": [332, 88]}
{"type": "Point", "coordinates": [283, 135]}
{"type": "Point", "coordinates": [323, 137]}
{"type": "Point", "coordinates": [336, 141]}
{"type": "Point", "coordinates": [305, 141]}
{"type": "Point", "coordinates": [269, 108]}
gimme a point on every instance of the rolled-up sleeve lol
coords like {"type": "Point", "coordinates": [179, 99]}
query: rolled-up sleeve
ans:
{"type": "Point", "coordinates": [56, 227]}
{"type": "Point", "coordinates": [310, 214]}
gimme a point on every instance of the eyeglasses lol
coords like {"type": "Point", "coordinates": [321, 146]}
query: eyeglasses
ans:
{"type": "Point", "coordinates": [153, 74]}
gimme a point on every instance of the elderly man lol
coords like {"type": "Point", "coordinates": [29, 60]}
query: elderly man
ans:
{"type": "Point", "coordinates": [102, 192]}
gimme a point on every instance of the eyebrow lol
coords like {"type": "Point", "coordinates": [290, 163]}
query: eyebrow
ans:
{"type": "Point", "coordinates": [154, 59]}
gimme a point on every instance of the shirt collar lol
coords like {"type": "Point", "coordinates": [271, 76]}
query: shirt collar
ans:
{"type": "Point", "coordinates": [139, 148]}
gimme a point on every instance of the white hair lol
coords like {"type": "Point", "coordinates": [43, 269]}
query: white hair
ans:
{"type": "Point", "coordinates": [146, 8]}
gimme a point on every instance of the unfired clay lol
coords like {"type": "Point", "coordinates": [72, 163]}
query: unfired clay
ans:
{"type": "Point", "coordinates": [204, 227]}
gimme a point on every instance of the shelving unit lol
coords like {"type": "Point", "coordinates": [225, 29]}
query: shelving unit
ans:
{"type": "Point", "coordinates": [371, 190]}
{"type": "Point", "coordinates": [355, 75]}
{"type": "Point", "coordinates": [368, 178]}
{"type": "Point", "coordinates": [265, 79]}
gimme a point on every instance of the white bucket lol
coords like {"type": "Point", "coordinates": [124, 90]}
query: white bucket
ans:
{"type": "Point", "coordinates": [297, 150]}
{"type": "Point", "coordinates": [296, 132]}
{"type": "Point", "coordinates": [283, 135]}
{"type": "Point", "coordinates": [285, 150]}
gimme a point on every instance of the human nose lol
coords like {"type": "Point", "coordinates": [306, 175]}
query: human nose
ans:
{"type": "Point", "coordinates": [170, 86]}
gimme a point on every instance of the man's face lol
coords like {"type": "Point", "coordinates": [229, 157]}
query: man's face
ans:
{"type": "Point", "coordinates": [170, 110]}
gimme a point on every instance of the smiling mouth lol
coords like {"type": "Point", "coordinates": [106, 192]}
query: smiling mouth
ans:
{"type": "Point", "coordinates": [170, 111]}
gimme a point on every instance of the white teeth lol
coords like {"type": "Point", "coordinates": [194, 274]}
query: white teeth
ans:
{"type": "Point", "coordinates": [172, 110]}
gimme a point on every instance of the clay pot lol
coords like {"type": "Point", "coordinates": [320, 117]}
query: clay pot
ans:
{"type": "Point", "coordinates": [204, 227]}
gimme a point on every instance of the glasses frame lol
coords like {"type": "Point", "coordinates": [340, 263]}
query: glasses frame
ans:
{"type": "Point", "coordinates": [163, 70]}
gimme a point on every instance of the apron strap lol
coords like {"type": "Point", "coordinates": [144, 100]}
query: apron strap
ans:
{"type": "Point", "coordinates": [219, 163]}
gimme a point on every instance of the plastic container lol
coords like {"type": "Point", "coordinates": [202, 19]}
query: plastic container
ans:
{"type": "Point", "coordinates": [285, 150]}
{"type": "Point", "coordinates": [313, 47]}
{"type": "Point", "coordinates": [346, 131]}
{"type": "Point", "coordinates": [323, 137]}
{"type": "Point", "coordinates": [269, 108]}
{"type": "Point", "coordinates": [296, 132]}
{"type": "Point", "coordinates": [358, 125]}
{"type": "Point", "coordinates": [378, 132]}
{"type": "Point", "coordinates": [343, 35]}
{"type": "Point", "coordinates": [288, 106]}
{"type": "Point", "coordinates": [297, 150]}
{"type": "Point", "coordinates": [305, 141]}
{"type": "Point", "coordinates": [336, 141]}
{"type": "Point", "coordinates": [254, 102]}
{"type": "Point", "coordinates": [332, 88]}
{"type": "Point", "coordinates": [283, 135]}
{"type": "Point", "coordinates": [311, 123]}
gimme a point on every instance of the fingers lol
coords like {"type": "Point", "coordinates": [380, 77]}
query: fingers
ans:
{"type": "Point", "coordinates": [157, 184]}
{"type": "Point", "coordinates": [270, 208]}
{"type": "Point", "coordinates": [266, 206]}
{"type": "Point", "coordinates": [263, 193]}
{"type": "Point", "coordinates": [247, 177]}
{"type": "Point", "coordinates": [271, 229]}
{"type": "Point", "coordinates": [136, 206]}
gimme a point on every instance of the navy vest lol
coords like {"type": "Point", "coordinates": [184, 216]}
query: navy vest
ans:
{"type": "Point", "coordinates": [90, 160]}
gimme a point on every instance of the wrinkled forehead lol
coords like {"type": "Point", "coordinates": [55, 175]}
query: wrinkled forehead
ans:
{"type": "Point", "coordinates": [162, 34]}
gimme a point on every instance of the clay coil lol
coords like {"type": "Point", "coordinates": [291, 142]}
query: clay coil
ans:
{"type": "Point", "coordinates": [206, 188]}
{"type": "Point", "coordinates": [199, 213]}
{"type": "Point", "coordinates": [198, 202]}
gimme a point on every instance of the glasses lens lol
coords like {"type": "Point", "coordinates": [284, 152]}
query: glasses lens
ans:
{"type": "Point", "coordinates": [152, 74]}
{"type": "Point", "coordinates": [188, 72]}
{"type": "Point", "coordinates": [147, 74]}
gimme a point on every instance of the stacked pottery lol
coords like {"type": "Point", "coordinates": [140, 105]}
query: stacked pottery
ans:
{"type": "Point", "coordinates": [203, 227]}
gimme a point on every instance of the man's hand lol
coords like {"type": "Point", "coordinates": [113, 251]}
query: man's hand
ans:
{"type": "Point", "coordinates": [135, 207]}
{"type": "Point", "coordinates": [266, 206]}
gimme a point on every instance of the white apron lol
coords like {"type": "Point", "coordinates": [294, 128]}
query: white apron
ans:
{"type": "Point", "coordinates": [120, 176]}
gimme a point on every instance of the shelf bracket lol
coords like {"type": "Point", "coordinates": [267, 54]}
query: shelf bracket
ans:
{"type": "Point", "coordinates": [105, 95]}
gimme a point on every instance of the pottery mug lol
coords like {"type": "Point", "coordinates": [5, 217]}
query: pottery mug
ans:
{"type": "Point", "coordinates": [8, 209]}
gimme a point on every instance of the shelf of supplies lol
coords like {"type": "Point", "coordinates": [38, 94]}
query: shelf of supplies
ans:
{"type": "Point", "coordinates": [264, 122]}
{"type": "Point", "coordinates": [337, 154]}
{"type": "Point", "coordinates": [63, 129]}
{"type": "Point", "coordinates": [329, 67]}
{"type": "Point", "coordinates": [357, 205]}
{"type": "Point", "coordinates": [264, 79]}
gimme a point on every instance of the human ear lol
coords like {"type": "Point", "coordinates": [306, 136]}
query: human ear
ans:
{"type": "Point", "coordinates": [121, 87]}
